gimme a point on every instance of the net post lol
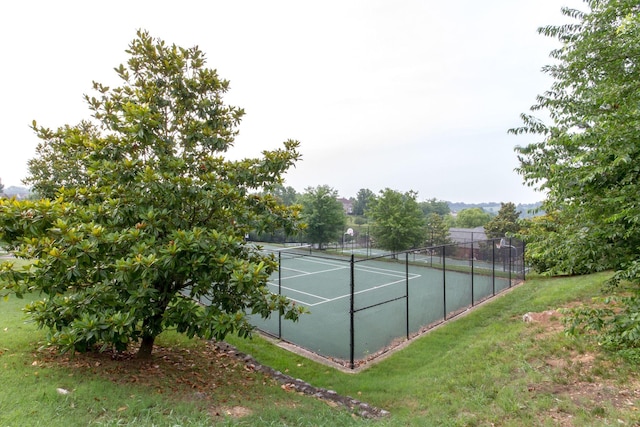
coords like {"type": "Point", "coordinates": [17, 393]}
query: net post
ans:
{"type": "Point", "coordinates": [351, 315]}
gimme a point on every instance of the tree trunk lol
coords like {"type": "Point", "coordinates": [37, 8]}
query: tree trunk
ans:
{"type": "Point", "coordinates": [146, 346]}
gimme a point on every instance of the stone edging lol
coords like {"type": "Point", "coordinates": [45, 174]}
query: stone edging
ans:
{"type": "Point", "coordinates": [360, 408]}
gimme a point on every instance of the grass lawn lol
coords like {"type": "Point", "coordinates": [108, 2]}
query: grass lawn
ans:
{"type": "Point", "coordinates": [486, 368]}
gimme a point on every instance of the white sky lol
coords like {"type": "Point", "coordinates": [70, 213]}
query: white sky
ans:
{"type": "Point", "coordinates": [405, 94]}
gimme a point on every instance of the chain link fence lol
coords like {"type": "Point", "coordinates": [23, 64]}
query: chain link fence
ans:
{"type": "Point", "coordinates": [361, 306]}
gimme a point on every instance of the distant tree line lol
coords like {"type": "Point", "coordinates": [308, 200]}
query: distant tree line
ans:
{"type": "Point", "coordinates": [392, 220]}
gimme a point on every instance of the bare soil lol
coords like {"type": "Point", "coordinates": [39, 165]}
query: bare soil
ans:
{"type": "Point", "coordinates": [578, 377]}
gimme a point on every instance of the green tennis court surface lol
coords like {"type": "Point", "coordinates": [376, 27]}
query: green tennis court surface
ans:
{"type": "Point", "coordinates": [392, 297]}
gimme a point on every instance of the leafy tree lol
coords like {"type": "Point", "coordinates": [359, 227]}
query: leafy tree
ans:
{"type": "Point", "coordinates": [505, 223]}
{"type": "Point", "coordinates": [472, 218]}
{"type": "Point", "coordinates": [398, 221]}
{"type": "Point", "coordinates": [285, 195]}
{"type": "Point", "coordinates": [439, 207]}
{"type": "Point", "coordinates": [437, 230]}
{"type": "Point", "coordinates": [361, 203]}
{"type": "Point", "coordinates": [545, 243]}
{"type": "Point", "coordinates": [587, 160]}
{"type": "Point", "coordinates": [323, 215]}
{"type": "Point", "coordinates": [142, 215]}
{"type": "Point", "coordinates": [1, 187]}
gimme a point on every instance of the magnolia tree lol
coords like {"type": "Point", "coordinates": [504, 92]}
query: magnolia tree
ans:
{"type": "Point", "coordinates": [141, 221]}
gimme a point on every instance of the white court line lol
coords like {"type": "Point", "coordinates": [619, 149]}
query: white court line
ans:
{"type": "Point", "coordinates": [297, 271]}
{"type": "Point", "coordinates": [362, 267]}
{"type": "Point", "coordinates": [341, 266]}
{"type": "Point", "coordinates": [310, 274]}
{"type": "Point", "coordinates": [364, 290]}
{"type": "Point", "coordinates": [299, 292]}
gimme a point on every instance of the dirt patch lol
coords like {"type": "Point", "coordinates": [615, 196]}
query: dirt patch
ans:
{"type": "Point", "coordinates": [233, 412]}
{"type": "Point", "coordinates": [578, 377]}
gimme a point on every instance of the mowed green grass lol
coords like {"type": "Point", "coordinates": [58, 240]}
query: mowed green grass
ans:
{"type": "Point", "coordinates": [485, 368]}
{"type": "Point", "coordinates": [185, 390]}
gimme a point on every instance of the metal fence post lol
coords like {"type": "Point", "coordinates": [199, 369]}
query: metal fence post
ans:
{"type": "Point", "coordinates": [493, 266]}
{"type": "Point", "coordinates": [524, 267]}
{"type": "Point", "coordinates": [352, 313]}
{"type": "Point", "coordinates": [510, 260]}
{"type": "Point", "coordinates": [473, 299]}
{"type": "Point", "coordinates": [444, 283]}
{"type": "Point", "coordinates": [279, 293]}
{"type": "Point", "coordinates": [407, 289]}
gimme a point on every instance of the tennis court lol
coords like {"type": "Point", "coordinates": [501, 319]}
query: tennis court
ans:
{"type": "Point", "coordinates": [359, 307]}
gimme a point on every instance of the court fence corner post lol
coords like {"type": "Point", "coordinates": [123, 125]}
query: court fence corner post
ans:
{"type": "Point", "coordinates": [473, 287]}
{"type": "Point", "coordinates": [406, 295]}
{"type": "Point", "coordinates": [279, 293]}
{"type": "Point", "coordinates": [351, 315]}
{"type": "Point", "coordinates": [444, 283]}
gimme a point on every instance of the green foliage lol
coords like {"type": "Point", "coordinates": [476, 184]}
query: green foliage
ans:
{"type": "Point", "coordinates": [472, 218]}
{"type": "Point", "coordinates": [323, 215]}
{"type": "Point", "coordinates": [557, 247]}
{"type": "Point", "coordinates": [505, 223]}
{"type": "Point", "coordinates": [437, 230]}
{"type": "Point", "coordinates": [613, 321]}
{"type": "Point", "coordinates": [398, 221]}
{"type": "Point", "coordinates": [285, 195]}
{"type": "Point", "coordinates": [361, 203]}
{"type": "Point", "coordinates": [141, 214]}
{"type": "Point", "coordinates": [360, 220]}
{"type": "Point", "coordinates": [588, 161]}
{"type": "Point", "coordinates": [439, 207]}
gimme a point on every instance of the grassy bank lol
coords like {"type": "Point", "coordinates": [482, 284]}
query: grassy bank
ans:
{"type": "Point", "coordinates": [486, 368]}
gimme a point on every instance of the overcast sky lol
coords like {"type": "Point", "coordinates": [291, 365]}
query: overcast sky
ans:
{"type": "Point", "coordinates": [404, 94]}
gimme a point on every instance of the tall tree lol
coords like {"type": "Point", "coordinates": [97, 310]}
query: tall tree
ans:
{"type": "Point", "coordinates": [286, 195]}
{"type": "Point", "coordinates": [506, 222]}
{"type": "Point", "coordinates": [472, 217]}
{"type": "Point", "coordinates": [143, 215]}
{"type": "Point", "coordinates": [323, 215]}
{"type": "Point", "coordinates": [398, 221]}
{"type": "Point", "coordinates": [362, 201]}
{"type": "Point", "coordinates": [588, 156]}
{"type": "Point", "coordinates": [1, 187]}
{"type": "Point", "coordinates": [437, 230]}
{"type": "Point", "coordinates": [439, 207]}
